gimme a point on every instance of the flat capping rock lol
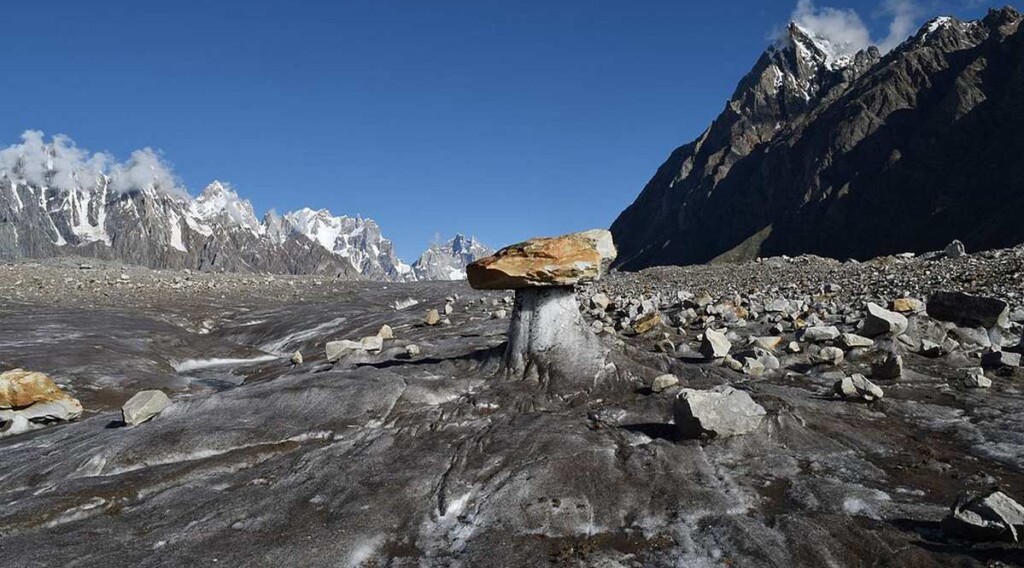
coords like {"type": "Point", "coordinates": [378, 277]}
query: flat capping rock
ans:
{"type": "Point", "coordinates": [545, 261]}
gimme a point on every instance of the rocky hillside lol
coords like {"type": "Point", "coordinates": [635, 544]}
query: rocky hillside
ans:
{"type": "Point", "coordinates": [849, 155]}
{"type": "Point", "coordinates": [57, 200]}
{"type": "Point", "coordinates": [448, 261]}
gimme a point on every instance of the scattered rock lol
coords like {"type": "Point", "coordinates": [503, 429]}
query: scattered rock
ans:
{"type": "Point", "coordinates": [499, 314]}
{"type": "Point", "coordinates": [337, 349]}
{"type": "Point", "coordinates": [1000, 359]}
{"type": "Point", "coordinates": [715, 344]}
{"type": "Point", "coordinates": [858, 387]}
{"type": "Point", "coordinates": [296, 358]}
{"type": "Point", "coordinates": [720, 412]}
{"type": "Point", "coordinates": [853, 341]}
{"type": "Point", "coordinates": [432, 318]}
{"type": "Point", "coordinates": [828, 356]}
{"type": "Point", "coordinates": [992, 516]}
{"type": "Point", "coordinates": [966, 310]}
{"type": "Point", "coordinates": [647, 322]}
{"type": "Point", "coordinates": [881, 321]}
{"type": "Point", "coordinates": [954, 249]}
{"type": "Point", "coordinates": [663, 382]}
{"type": "Point", "coordinates": [600, 301]}
{"type": "Point", "coordinates": [412, 350]}
{"type": "Point", "coordinates": [372, 343]}
{"type": "Point", "coordinates": [887, 366]}
{"type": "Point", "coordinates": [144, 406]}
{"type": "Point", "coordinates": [769, 343]}
{"type": "Point", "coordinates": [975, 378]}
{"type": "Point", "coordinates": [907, 305]}
{"type": "Point", "coordinates": [386, 332]}
{"type": "Point", "coordinates": [819, 334]}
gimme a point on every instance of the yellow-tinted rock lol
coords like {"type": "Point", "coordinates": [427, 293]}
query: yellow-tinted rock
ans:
{"type": "Point", "coordinates": [647, 322]}
{"type": "Point", "coordinates": [907, 305]}
{"type": "Point", "coordinates": [545, 261]}
{"type": "Point", "coordinates": [20, 388]}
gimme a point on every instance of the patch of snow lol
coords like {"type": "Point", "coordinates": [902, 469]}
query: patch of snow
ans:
{"type": "Point", "coordinates": [195, 364]}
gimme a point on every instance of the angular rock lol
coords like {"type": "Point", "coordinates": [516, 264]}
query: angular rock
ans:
{"type": "Point", "coordinates": [403, 304]}
{"type": "Point", "coordinates": [296, 358]}
{"type": "Point", "coordinates": [720, 412]}
{"type": "Point", "coordinates": [1000, 359]}
{"type": "Point", "coordinates": [954, 249]}
{"type": "Point", "coordinates": [828, 356]}
{"type": "Point", "coordinates": [768, 343]}
{"type": "Point", "coordinates": [820, 333]}
{"type": "Point", "coordinates": [663, 382]}
{"type": "Point", "coordinates": [881, 321]}
{"type": "Point", "coordinates": [907, 305]}
{"type": "Point", "coordinates": [372, 343]}
{"type": "Point", "coordinates": [144, 406]}
{"type": "Point", "coordinates": [337, 349]}
{"type": "Point", "coordinates": [647, 322]}
{"type": "Point", "coordinates": [548, 261]}
{"type": "Point", "coordinates": [386, 332]}
{"type": "Point", "coordinates": [858, 387]}
{"type": "Point", "coordinates": [966, 310]}
{"type": "Point", "coordinates": [992, 516]}
{"type": "Point", "coordinates": [432, 317]}
{"type": "Point", "coordinates": [975, 378]}
{"type": "Point", "coordinates": [887, 366]}
{"type": "Point", "coordinates": [715, 344]}
{"type": "Point", "coordinates": [600, 301]}
{"type": "Point", "coordinates": [853, 341]}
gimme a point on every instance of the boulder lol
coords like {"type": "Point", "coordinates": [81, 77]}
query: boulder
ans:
{"type": "Point", "coordinates": [828, 356]}
{"type": "Point", "coordinates": [818, 334]}
{"type": "Point", "coordinates": [296, 358]}
{"type": "Point", "coordinates": [338, 349]}
{"type": "Point", "coordinates": [1000, 359]}
{"type": "Point", "coordinates": [432, 317]}
{"type": "Point", "coordinates": [966, 310]}
{"type": "Point", "coordinates": [991, 516]}
{"type": "Point", "coordinates": [144, 406]}
{"type": "Point", "coordinates": [663, 382]}
{"type": "Point", "coordinates": [853, 341]}
{"type": "Point", "coordinates": [904, 305]}
{"type": "Point", "coordinates": [887, 365]}
{"type": "Point", "coordinates": [955, 249]}
{"type": "Point", "coordinates": [720, 412]}
{"type": "Point", "coordinates": [20, 388]}
{"type": "Point", "coordinates": [715, 344]}
{"type": "Point", "coordinates": [386, 332]}
{"type": "Point", "coordinates": [879, 321]}
{"type": "Point", "coordinates": [600, 301]}
{"type": "Point", "coordinates": [546, 261]}
{"type": "Point", "coordinates": [647, 322]}
{"type": "Point", "coordinates": [858, 387]}
{"type": "Point", "coordinates": [372, 343]}
{"type": "Point", "coordinates": [974, 378]}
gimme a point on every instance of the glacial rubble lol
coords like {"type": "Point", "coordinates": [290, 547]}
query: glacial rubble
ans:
{"type": "Point", "coordinates": [428, 451]}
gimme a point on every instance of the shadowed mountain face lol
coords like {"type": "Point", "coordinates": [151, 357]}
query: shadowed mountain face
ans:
{"type": "Point", "coordinates": [849, 156]}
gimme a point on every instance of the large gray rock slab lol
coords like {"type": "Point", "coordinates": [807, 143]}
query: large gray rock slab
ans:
{"type": "Point", "coordinates": [720, 412]}
{"type": "Point", "coordinates": [144, 406]}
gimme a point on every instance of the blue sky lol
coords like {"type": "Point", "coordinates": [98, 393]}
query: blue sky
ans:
{"type": "Point", "coordinates": [500, 119]}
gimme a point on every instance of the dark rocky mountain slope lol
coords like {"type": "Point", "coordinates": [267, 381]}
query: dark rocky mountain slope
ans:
{"type": "Point", "coordinates": [849, 155]}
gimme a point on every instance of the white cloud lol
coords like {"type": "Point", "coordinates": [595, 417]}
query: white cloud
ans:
{"type": "Point", "coordinates": [848, 33]}
{"type": "Point", "coordinates": [61, 164]}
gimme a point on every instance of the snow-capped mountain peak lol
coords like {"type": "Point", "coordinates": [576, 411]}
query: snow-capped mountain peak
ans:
{"type": "Point", "coordinates": [219, 203]}
{"type": "Point", "coordinates": [448, 260]}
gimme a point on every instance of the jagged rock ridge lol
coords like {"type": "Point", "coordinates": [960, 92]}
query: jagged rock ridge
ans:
{"type": "Point", "coordinates": [448, 260]}
{"type": "Point", "coordinates": [849, 155]}
{"type": "Point", "coordinates": [55, 200]}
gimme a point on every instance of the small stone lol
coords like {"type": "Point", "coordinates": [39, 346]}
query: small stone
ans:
{"type": "Point", "coordinates": [888, 366]}
{"type": "Point", "coordinates": [412, 350]}
{"type": "Point", "coordinates": [753, 367]}
{"type": "Point", "coordinates": [663, 382]}
{"type": "Point", "coordinates": [144, 406]}
{"type": "Point", "coordinates": [386, 332]}
{"type": "Point", "coordinates": [600, 301]}
{"type": "Point", "coordinates": [907, 305]}
{"type": "Point", "coordinates": [769, 343]}
{"type": "Point", "coordinates": [499, 314]}
{"type": "Point", "coordinates": [858, 387]}
{"type": "Point", "coordinates": [793, 347]}
{"type": "Point", "coordinates": [852, 341]}
{"type": "Point", "coordinates": [881, 321]}
{"type": "Point", "coordinates": [820, 333]}
{"type": "Point", "coordinates": [715, 344]}
{"type": "Point", "coordinates": [720, 412]}
{"type": "Point", "coordinates": [448, 308]}
{"type": "Point", "coordinates": [647, 322]}
{"type": "Point", "coordinates": [432, 318]}
{"type": "Point", "coordinates": [975, 378]}
{"type": "Point", "coordinates": [372, 343]}
{"type": "Point", "coordinates": [828, 355]}
{"type": "Point", "coordinates": [296, 358]}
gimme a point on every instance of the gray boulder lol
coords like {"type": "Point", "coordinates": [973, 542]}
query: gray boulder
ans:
{"type": "Point", "coordinates": [720, 412]}
{"type": "Point", "coordinates": [144, 406]}
{"type": "Point", "coordinates": [974, 378]}
{"type": "Point", "coordinates": [858, 387]}
{"type": "Point", "coordinates": [993, 516]}
{"type": "Point", "coordinates": [955, 249]}
{"type": "Point", "coordinates": [881, 321]}
{"type": "Point", "coordinates": [820, 333]}
{"type": "Point", "coordinates": [715, 344]}
{"type": "Point", "coordinates": [966, 310]}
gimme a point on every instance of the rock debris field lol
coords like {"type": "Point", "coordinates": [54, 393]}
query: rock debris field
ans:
{"type": "Point", "coordinates": [783, 412]}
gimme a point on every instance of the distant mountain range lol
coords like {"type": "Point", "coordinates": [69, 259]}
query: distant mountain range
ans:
{"type": "Point", "coordinates": [55, 200]}
{"type": "Point", "coordinates": [849, 154]}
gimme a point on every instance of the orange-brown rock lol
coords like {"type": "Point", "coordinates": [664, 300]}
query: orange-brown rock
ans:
{"type": "Point", "coordinates": [545, 261]}
{"type": "Point", "coordinates": [20, 388]}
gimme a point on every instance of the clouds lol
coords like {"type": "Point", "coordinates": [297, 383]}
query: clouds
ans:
{"type": "Point", "coordinates": [61, 164]}
{"type": "Point", "coordinates": [848, 33]}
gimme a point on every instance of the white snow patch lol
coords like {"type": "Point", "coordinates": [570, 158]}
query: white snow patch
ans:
{"type": "Point", "coordinates": [194, 364]}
